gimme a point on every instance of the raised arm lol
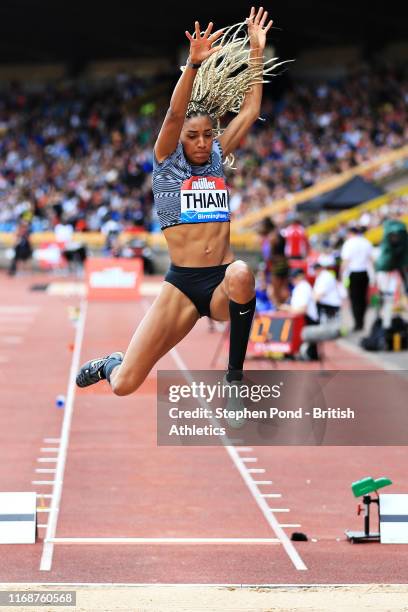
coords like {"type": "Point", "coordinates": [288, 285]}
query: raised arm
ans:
{"type": "Point", "coordinates": [200, 50]}
{"type": "Point", "coordinates": [251, 106]}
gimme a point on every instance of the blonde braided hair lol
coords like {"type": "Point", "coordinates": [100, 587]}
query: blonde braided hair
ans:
{"type": "Point", "coordinates": [226, 76]}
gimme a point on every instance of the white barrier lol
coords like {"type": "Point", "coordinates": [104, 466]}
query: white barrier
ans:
{"type": "Point", "coordinates": [394, 518]}
{"type": "Point", "coordinates": [18, 513]}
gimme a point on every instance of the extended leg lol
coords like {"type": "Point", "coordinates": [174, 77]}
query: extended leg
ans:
{"type": "Point", "coordinates": [234, 299]}
{"type": "Point", "coordinates": [169, 319]}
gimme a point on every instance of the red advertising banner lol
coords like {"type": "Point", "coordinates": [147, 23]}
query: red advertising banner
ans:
{"type": "Point", "coordinates": [113, 279]}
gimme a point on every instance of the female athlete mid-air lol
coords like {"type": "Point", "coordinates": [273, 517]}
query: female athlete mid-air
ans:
{"type": "Point", "coordinates": [224, 73]}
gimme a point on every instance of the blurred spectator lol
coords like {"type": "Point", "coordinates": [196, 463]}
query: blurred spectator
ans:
{"type": "Point", "coordinates": [276, 266]}
{"type": "Point", "coordinates": [302, 302]}
{"type": "Point", "coordinates": [296, 242]}
{"type": "Point", "coordinates": [357, 256]}
{"type": "Point", "coordinates": [325, 289]}
{"type": "Point", "coordinates": [22, 247]}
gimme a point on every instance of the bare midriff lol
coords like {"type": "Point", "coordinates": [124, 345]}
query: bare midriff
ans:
{"type": "Point", "coordinates": [198, 245]}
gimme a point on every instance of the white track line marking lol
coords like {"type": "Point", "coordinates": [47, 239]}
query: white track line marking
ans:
{"type": "Point", "coordinates": [251, 484]}
{"type": "Point", "coordinates": [46, 459]}
{"type": "Point", "coordinates": [52, 440]}
{"type": "Point", "coordinates": [11, 339]}
{"type": "Point", "coordinates": [43, 482]}
{"type": "Point", "coordinates": [256, 470]}
{"type": "Point", "coordinates": [16, 320]}
{"type": "Point", "coordinates": [249, 459]}
{"type": "Point", "coordinates": [244, 449]}
{"type": "Point", "coordinates": [48, 547]}
{"type": "Point", "coordinates": [271, 494]}
{"type": "Point", "coordinates": [263, 482]}
{"type": "Point", "coordinates": [45, 471]}
{"type": "Point", "coordinates": [165, 541]}
{"type": "Point", "coordinates": [17, 310]}
{"type": "Point", "coordinates": [279, 510]}
{"type": "Point", "coordinates": [46, 495]}
{"type": "Point", "coordinates": [290, 525]}
{"type": "Point", "coordinates": [49, 450]}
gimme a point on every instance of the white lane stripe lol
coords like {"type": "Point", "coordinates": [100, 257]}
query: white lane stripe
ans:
{"type": "Point", "coordinates": [18, 309]}
{"type": "Point", "coordinates": [52, 440]}
{"type": "Point", "coordinates": [43, 482]}
{"type": "Point", "coordinates": [290, 525]}
{"type": "Point", "coordinates": [48, 450]}
{"type": "Point", "coordinates": [271, 494]}
{"type": "Point", "coordinates": [249, 459]}
{"type": "Point", "coordinates": [45, 471]}
{"type": "Point", "coordinates": [279, 510]}
{"type": "Point", "coordinates": [47, 459]}
{"type": "Point", "coordinates": [256, 470]}
{"type": "Point", "coordinates": [263, 482]}
{"type": "Point", "coordinates": [263, 506]}
{"type": "Point", "coordinates": [14, 325]}
{"type": "Point", "coordinates": [48, 548]}
{"type": "Point", "coordinates": [16, 316]}
{"type": "Point", "coordinates": [165, 541]}
{"type": "Point", "coordinates": [11, 339]}
{"type": "Point", "coordinates": [269, 516]}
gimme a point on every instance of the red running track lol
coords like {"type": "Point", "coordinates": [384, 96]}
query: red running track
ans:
{"type": "Point", "coordinates": [118, 484]}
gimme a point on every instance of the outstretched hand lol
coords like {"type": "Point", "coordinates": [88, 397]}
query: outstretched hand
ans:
{"type": "Point", "coordinates": [201, 43]}
{"type": "Point", "coordinates": [256, 27]}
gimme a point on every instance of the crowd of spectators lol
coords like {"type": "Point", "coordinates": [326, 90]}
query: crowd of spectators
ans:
{"type": "Point", "coordinates": [82, 153]}
{"type": "Point", "coordinates": [314, 132]}
{"type": "Point", "coordinates": [77, 153]}
{"type": "Point", "coordinates": [394, 209]}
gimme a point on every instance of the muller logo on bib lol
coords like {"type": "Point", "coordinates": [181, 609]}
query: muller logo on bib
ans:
{"type": "Point", "coordinates": [204, 199]}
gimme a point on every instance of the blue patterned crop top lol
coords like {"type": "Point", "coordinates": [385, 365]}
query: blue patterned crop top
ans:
{"type": "Point", "coordinates": [184, 193]}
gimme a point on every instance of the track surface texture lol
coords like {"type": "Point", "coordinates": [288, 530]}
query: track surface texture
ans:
{"type": "Point", "coordinates": [118, 484]}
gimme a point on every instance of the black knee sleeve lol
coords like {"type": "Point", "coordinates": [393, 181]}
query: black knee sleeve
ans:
{"type": "Point", "coordinates": [241, 316]}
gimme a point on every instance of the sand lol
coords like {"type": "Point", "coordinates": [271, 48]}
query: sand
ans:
{"type": "Point", "coordinates": [180, 598]}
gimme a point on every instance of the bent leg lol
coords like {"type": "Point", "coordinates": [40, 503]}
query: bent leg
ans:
{"type": "Point", "coordinates": [169, 319]}
{"type": "Point", "coordinates": [234, 299]}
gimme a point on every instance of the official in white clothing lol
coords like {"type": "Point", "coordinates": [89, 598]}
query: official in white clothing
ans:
{"type": "Point", "coordinates": [357, 256]}
{"type": "Point", "coordinates": [326, 289]}
{"type": "Point", "coordinates": [302, 302]}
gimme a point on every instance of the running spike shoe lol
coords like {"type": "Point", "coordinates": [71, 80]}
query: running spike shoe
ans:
{"type": "Point", "coordinates": [92, 371]}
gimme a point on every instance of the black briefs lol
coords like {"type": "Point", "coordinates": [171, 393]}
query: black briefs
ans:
{"type": "Point", "coordinates": [198, 284]}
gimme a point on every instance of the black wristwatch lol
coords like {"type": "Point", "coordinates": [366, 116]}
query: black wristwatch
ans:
{"type": "Point", "coordinates": [195, 66]}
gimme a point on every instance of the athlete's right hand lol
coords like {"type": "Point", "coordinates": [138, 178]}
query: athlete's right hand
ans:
{"type": "Point", "coordinates": [200, 43]}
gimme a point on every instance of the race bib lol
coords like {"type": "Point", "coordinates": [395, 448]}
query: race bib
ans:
{"type": "Point", "coordinates": [204, 199]}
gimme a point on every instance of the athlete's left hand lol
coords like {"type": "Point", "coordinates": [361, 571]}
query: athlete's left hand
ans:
{"type": "Point", "coordinates": [257, 29]}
